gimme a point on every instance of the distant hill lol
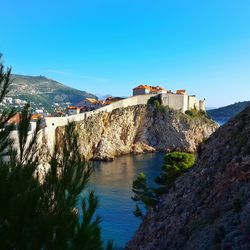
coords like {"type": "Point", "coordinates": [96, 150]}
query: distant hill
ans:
{"type": "Point", "coordinates": [227, 112]}
{"type": "Point", "coordinates": [102, 97]}
{"type": "Point", "coordinates": [42, 91]}
{"type": "Point", "coordinates": [209, 108]}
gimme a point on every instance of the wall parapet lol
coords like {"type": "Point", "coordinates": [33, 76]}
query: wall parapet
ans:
{"type": "Point", "coordinates": [130, 101]}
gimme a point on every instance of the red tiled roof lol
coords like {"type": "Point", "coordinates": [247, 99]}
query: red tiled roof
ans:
{"type": "Point", "coordinates": [180, 91]}
{"type": "Point", "coordinates": [113, 99]}
{"type": "Point", "coordinates": [36, 116]}
{"type": "Point", "coordinates": [72, 107]}
{"type": "Point", "coordinates": [150, 88]}
{"type": "Point", "coordinates": [16, 119]}
{"type": "Point", "coordinates": [142, 87]}
{"type": "Point", "coordinates": [108, 102]}
{"type": "Point", "coordinates": [91, 100]}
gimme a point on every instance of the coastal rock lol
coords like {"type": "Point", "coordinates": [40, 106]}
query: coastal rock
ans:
{"type": "Point", "coordinates": [209, 206]}
{"type": "Point", "coordinates": [139, 129]}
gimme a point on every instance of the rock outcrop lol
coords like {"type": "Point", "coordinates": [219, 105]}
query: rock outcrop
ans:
{"type": "Point", "coordinates": [209, 206]}
{"type": "Point", "coordinates": [139, 129]}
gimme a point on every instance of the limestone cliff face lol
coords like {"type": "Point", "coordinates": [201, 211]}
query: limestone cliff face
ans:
{"type": "Point", "coordinates": [209, 206]}
{"type": "Point", "coordinates": [139, 129]}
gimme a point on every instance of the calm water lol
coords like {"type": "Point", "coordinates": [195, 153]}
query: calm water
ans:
{"type": "Point", "coordinates": [112, 182]}
{"type": "Point", "coordinates": [221, 121]}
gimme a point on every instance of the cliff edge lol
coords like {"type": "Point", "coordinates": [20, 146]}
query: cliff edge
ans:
{"type": "Point", "coordinates": [139, 129]}
{"type": "Point", "coordinates": [209, 206]}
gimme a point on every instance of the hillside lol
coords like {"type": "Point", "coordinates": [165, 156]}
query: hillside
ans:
{"type": "Point", "coordinates": [229, 111]}
{"type": "Point", "coordinates": [39, 90]}
{"type": "Point", "coordinates": [209, 206]}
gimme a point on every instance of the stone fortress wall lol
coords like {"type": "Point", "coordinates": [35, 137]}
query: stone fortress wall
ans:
{"type": "Point", "coordinates": [53, 122]}
{"type": "Point", "coordinates": [130, 101]}
{"type": "Point", "coordinates": [179, 102]}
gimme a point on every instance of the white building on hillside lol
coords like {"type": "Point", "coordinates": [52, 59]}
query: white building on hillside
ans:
{"type": "Point", "coordinates": [8, 100]}
{"type": "Point", "coordinates": [19, 101]}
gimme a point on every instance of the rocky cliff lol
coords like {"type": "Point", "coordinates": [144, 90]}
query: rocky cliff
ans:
{"type": "Point", "coordinates": [209, 206]}
{"type": "Point", "coordinates": [138, 129]}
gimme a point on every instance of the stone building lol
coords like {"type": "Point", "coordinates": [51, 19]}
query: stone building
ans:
{"type": "Point", "coordinates": [72, 110]}
{"type": "Point", "coordinates": [145, 89]}
{"type": "Point", "coordinates": [179, 100]}
{"type": "Point", "coordinates": [91, 103]}
{"type": "Point", "coordinates": [182, 102]}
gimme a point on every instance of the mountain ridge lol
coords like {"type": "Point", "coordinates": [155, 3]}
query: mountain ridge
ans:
{"type": "Point", "coordinates": [228, 111]}
{"type": "Point", "coordinates": [41, 90]}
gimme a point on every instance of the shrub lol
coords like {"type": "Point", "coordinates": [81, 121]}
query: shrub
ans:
{"type": "Point", "coordinates": [155, 101]}
{"type": "Point", "coordinates": [143, 195]}
{"type": "Point", "coordinates": [196, 113]}
{"type": "Point", "coordinates": [174, 165]}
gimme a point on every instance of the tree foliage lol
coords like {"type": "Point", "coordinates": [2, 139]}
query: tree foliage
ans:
{"type": "Point", "coordinates": [174, 164]}
{"type": "Point", "coordinates": [155, 101]}
{"type": "Point", "coordinates": [5, 116]}
{"type": "Point", "coordinates": [54, 212]}
{"type": "Point", "coordinates": [194, 113]}
{"type": "Point", "coordinates": [143, 195]}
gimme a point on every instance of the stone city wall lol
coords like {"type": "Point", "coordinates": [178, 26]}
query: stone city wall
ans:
{"type": "Point", "coordinates": [178, 102]}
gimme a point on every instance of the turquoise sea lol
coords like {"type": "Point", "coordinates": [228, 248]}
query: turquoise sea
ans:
{"type": "Point", "coordinates": [112, 183]}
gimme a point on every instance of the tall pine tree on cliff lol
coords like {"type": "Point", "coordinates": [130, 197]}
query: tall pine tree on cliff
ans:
{"type": "Point", "coordinates": [52, 213]}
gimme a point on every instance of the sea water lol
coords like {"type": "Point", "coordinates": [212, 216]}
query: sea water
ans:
{"type": "Point", "coordinates": [112, 183]}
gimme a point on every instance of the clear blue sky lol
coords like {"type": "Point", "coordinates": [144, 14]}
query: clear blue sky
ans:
{"type": "Point", "coordinates": [110, 46]}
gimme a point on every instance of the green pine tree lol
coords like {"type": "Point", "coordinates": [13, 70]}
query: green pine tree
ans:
{"type": "Point", "coordinates": [54, 212]}
{"type": "Point", "coordinates": [174, 164]}
{"type": "Point", "coordinates": [143, 195]}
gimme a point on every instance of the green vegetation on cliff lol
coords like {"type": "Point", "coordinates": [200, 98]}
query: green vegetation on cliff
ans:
{"type": "Point", "coordinates": [196, 113]}
{"type": "Point", "coordinates": [154, 101]}
{"type": "Point", "coordinates": [174, 165]}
